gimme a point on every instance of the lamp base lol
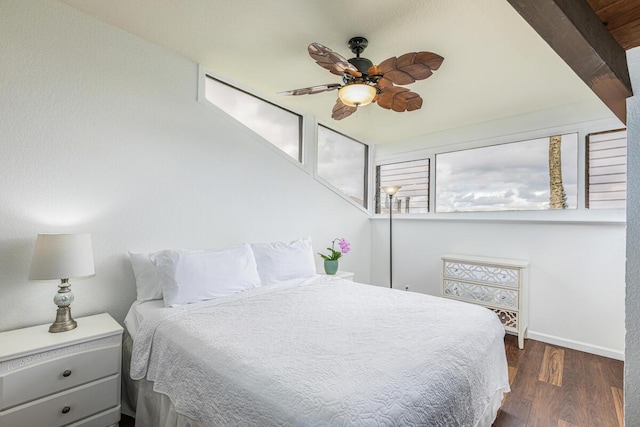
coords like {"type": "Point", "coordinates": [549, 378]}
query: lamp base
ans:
{"type": "Point", "coordinates": [64, 322]}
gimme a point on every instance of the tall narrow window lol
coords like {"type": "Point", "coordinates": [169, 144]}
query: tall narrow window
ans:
{"type": "Point", "coordinates": [607, 170]}
{"type": "Point", "coordinates": [280, 127]}
{"type": "Point", "coordinates": [343, 163]}
{"type": "Point", "coordinates": [535, 174]}
{"type": "Point", "coordinates": [413, 177]}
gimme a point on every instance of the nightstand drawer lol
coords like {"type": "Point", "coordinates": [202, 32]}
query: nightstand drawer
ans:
{"type": "Point", "coordinates": [54, 375]}
{"type": "Point", "coordinates": [482, 273]}
{"type": "Point", "coordinates": [110, 417]}
{"type": "Point", "coordinates": [66, 407]}
{"type": "Point", "coordinates": [484, 294]}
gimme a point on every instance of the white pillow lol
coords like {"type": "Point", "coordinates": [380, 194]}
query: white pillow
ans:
{"type": "Point", "coordinates": [191, 276]}
{"type": "Point", "coordinates": [280, 261]}
{"type": "Point", "coordinates": [148, 284]}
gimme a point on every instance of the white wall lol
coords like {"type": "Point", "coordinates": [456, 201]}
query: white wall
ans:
{"type": "Point", "coordinates": [588, 114]}
{"type": "Point", "coordinates": [576, 276]}
{"type": "Point", "coordinates": [101, 133]}
{"type": "Point", "coordinates": [577, 257]}
{"type": "Point", "coordinates": [632, 361]}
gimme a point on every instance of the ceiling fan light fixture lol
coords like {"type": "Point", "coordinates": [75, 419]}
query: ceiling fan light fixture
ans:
{"type": "Point", "coordinates": [357, 94]}
{"type": "Point", "coordinates": [364, 83]}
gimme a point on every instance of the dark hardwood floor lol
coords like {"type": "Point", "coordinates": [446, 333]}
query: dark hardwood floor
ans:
{"type": "Point", "coordinates": [554, 386]}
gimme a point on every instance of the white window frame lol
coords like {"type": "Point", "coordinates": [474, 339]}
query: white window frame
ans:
{"type": "Point", "coordinates": [384, 196]}
{"type": "Point", "coordinates": [368, 178]}
{"type": "Point", "coordinates": [574, 198]}
{"type": "Point", "coordinates": [579, 215]}
{"type": "Point", "coordinates": [304, 133]}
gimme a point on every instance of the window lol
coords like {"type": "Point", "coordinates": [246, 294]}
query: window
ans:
{"type": "Point", "coordinates": [280, 127]}
{"type": "Point", "coordinates": [607, 170]}
{"type": "Point", "coordinates": [413, 177]}
{"type": "Point", "coordinates": [343, 163]}
{"type": "Point", "coordinates": [535, 174]}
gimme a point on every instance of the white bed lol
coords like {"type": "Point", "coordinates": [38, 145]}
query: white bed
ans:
{"type": "Point", "coordinates": [317, 352]}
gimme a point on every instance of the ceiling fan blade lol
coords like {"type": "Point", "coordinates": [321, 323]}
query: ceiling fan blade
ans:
{"type": "Point", "coordinates": [382, 83]}
{"type": "Point", "coordinates": [311, 90]}
{"type": "Point", "coordinates": [410, 67]}
{"type": "Point", "coordinates": [399, 99]}
{"type": "Point", "coordinates": [340, 110]}
{"type": "Point", "coordinates": [332, 61]}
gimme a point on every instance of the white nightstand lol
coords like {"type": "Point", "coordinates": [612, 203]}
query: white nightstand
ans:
{"type": "Point", "coordinates": [346, 275]}
{"type": "Point", "coordinates": [58, 379]}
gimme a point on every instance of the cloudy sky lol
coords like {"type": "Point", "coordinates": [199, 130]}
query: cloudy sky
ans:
{"type": "Point", "coordinates": [512, 176]}
{"type": "Point", "coordinates": [278, 126]}
{"type": "Point", "coordinates": [341, 161]}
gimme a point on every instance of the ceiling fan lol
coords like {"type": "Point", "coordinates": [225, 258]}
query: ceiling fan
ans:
{"type": "Point", "coordinates": [363, 82]}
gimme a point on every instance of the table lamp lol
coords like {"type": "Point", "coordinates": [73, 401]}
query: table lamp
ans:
{"type": "Point", "coordinates": [61, 256]}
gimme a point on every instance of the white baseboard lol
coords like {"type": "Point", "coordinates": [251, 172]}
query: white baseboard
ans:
{"type": "Point", "coordinates": [576, 345]}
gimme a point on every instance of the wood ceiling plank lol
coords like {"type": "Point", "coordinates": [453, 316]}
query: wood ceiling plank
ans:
{"type": "Point", "coordinates": [619, 14]}
{"type": "Point", "coordinates": [601, 4]}
{"type": "Point", "coordinates": [628, 36]}
{"type": "Point", "coordinates": [576, 34]}
{"type": "Point", "coordinates": [621, 17]}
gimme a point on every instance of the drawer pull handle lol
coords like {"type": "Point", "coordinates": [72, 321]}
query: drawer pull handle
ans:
{"type": "Point", "coordinates": [66, 373]}
{"type": "Point", "coordinates": [65, 410]}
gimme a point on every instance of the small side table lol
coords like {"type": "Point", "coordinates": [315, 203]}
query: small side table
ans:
{"type": "Point", "coordinates": [58, 379]}
{"type": "Point", "coordinates": [346, 275]}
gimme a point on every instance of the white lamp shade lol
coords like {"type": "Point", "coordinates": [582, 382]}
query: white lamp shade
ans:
{"type": "Point", "coordinates": [357, 94]}
{"type": "Point", "coordinates": [391, 190]}
{"type": "Point", "coordinates": [61, 256]}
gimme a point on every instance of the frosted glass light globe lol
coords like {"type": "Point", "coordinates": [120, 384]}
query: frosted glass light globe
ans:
{"type": "Point", "coordinates": [357, 94]}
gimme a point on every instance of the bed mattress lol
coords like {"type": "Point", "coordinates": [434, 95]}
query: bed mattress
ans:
{"type": "Point", "coordinates": [310, 352]}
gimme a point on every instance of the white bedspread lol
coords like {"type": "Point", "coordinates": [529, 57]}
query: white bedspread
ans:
{"type": "Point", "coordinates": [325, 354]}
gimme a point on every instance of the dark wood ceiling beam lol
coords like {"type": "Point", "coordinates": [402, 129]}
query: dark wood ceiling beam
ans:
{"type": "Point", "coordinates": [575, 33]}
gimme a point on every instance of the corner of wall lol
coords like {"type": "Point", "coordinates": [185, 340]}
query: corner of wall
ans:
{"type": "Point", "coordinates": [632, 318]}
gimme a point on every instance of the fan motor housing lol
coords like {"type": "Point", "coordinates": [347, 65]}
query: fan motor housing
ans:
{"type": "Point", "coordinates": [362, 64]}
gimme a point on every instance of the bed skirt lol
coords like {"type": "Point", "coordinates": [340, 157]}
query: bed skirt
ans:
{"type": "Point", "coordinates": [129, 387]}
{"type": "Point", "coordinates": [156, 410]}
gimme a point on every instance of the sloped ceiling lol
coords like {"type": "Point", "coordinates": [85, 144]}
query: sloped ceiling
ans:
{"type": "Point", "coordinates": [496, 66]}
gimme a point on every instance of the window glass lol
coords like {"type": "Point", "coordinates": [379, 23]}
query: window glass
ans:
{"type": "Point", "coordinates": [413, 178]}
{"type": "Point", "coordinates": [607, 170]}
{"type": "Point", "coordinates": [280, 127]}
{"type": "Point", "coordinates": [509, 177]}
{"type": "Point", "coordinates": [343, 163]}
